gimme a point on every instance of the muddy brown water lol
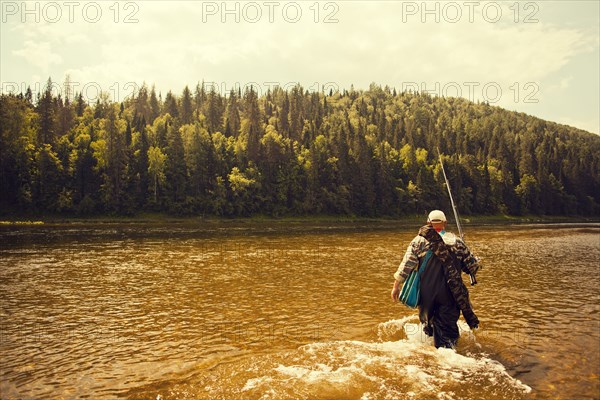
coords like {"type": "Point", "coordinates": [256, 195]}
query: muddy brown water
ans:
{"type": "Point", "coordinates": [168, 314]}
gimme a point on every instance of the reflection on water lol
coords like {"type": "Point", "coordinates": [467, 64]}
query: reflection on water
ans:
{"type": "Point", "coordinates": [177, 315]}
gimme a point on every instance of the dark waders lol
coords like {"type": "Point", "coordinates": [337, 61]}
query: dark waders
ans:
{"type": "Point", "coordinates": [438, 310]}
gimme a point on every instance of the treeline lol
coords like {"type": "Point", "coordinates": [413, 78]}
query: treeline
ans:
{"type": "Point", "coordinates": [366, 153]}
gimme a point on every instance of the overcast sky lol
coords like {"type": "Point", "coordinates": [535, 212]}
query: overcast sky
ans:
{"type": "Point", "coordinates": [541, 58]}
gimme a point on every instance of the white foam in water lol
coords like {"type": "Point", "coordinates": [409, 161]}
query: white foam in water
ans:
{"type": "Point", "coordinates": [320, 373]}
{"type": "Point", "coordinates": [409, 368]}
{"type": "Point", "coordinates": [389, 329]}
{"type": "Point", "coordinates": [255, 382]}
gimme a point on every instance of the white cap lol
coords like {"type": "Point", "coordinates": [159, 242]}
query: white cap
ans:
{"type": "Point", "coordinates": [436, 216]}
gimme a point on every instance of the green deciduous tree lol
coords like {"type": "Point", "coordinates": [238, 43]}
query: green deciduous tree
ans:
{"type": "Point", "coordinates": [528, 192]}
{"type": "Point", "coordinates": [156, 170]}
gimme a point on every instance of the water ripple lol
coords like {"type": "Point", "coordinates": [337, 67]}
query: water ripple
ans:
{"type": "Point", "coordinates": [107, 314]}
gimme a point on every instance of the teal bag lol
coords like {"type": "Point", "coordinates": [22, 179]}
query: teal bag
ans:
{"type": "Point", "coordinates": [411, 288]}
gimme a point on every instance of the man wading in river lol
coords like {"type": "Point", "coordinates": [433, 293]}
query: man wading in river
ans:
{"type": "Point", "coordinates": [443, 294]}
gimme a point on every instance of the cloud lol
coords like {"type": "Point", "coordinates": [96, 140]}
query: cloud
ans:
{"type": "Point", "coordinates": [39, 54]}
{"type": "Point", "coordinates": [369, 43]}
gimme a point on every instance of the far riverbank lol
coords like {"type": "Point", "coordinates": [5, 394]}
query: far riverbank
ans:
{"type": "Point", "coordinates": [149, 224]}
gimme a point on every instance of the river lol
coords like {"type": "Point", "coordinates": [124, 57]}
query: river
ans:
{"type": "Point", "coordinates": [174, 313]}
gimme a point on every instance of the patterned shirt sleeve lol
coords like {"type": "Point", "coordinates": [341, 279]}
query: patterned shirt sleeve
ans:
{"type": "Point", "coordinates": [469, 263]}
{"type": "Point", "coordinates": [411, 258]}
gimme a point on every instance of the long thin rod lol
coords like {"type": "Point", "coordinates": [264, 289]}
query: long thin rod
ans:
{"type": "Point", "coordinates": [460, 231]}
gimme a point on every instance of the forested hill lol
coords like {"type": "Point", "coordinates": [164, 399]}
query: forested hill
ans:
{"type": "Point", "coordinates": [366, 153]}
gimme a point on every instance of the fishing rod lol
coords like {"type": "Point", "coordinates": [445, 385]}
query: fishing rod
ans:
{"type": "Point", "coordinates": [460, 231]}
